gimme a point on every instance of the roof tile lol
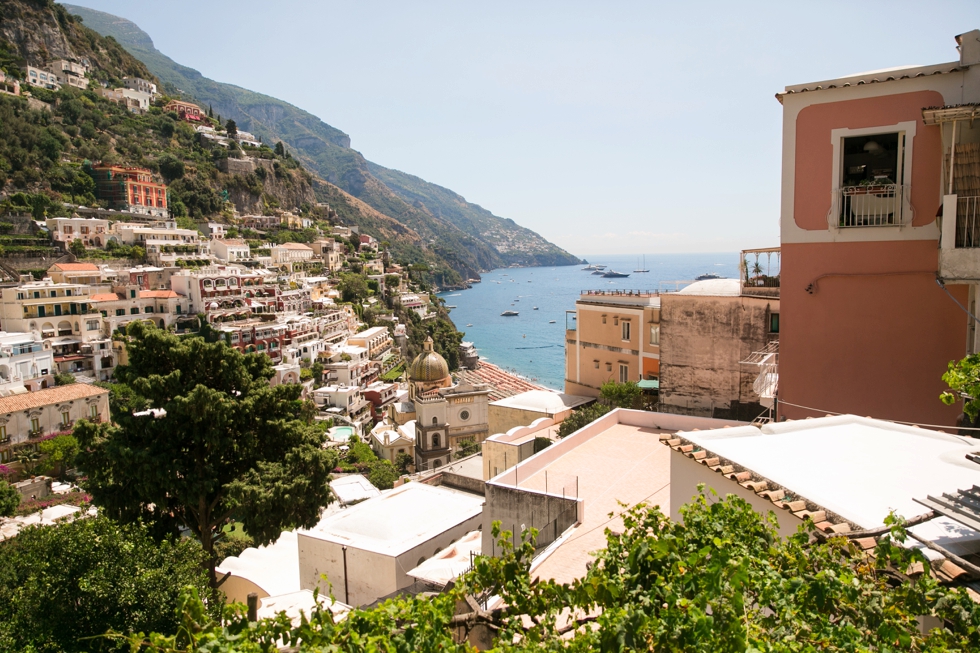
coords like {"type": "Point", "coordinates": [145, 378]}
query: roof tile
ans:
{"type": "Point", "coordinates": [49, 396]}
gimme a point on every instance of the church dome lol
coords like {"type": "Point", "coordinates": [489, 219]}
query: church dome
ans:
{"type": "Point", "coordinates": [428, 366]}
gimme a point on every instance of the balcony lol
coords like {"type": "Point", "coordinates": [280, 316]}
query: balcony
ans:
{"type": "Point", "coordinates": [759, 270]}
{"type": "Point", "coordinates": [881, 205]}
{"type": "Point", "coordinates": [959, 253]}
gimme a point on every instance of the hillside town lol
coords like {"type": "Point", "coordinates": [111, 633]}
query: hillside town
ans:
{"type": "Point", "coordinates": [276, 409]}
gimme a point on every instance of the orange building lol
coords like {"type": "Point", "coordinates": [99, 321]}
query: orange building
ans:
{"type": "Point", "coordinates": [186, 110]}
{"type": "Point", "coordinates": [131, 189]}
{"type": "Point", "coordinates": [613, 335]}
{"type": "Point", "coordinates": [866, 173]}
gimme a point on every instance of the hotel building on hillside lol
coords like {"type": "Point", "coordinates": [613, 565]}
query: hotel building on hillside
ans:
{"type": "Point", "coordinates": [880, 230]}
{"type": "Point", "coordinates": [131, 189]}
{"type": "Point", "coordinates": [184, 110]}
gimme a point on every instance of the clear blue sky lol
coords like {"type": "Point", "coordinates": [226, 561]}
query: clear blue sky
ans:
{"type": "Point", "coordinates": [608, 127]}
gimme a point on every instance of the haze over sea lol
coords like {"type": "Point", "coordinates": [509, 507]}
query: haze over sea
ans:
{"type": "Point", "coordinates": [528, 344]}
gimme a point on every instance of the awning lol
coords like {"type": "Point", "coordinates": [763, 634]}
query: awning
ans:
{"type": "Point", "coordinates": [649, 384]}
{"type": "Point", "coordinates": [939, 115]}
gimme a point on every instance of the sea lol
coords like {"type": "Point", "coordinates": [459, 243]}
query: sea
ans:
{"type": "Point", "coordinates": [532, 344]}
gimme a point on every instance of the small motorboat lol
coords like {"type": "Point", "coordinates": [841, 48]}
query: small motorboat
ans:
{"type": "Point", "coordinates": [708, 276]}
{"type": "Point", "coordinates": [612, 274]}
{"type": "Point", "coordinates": [509, 314]}
{"type": "Point", "coordinates": [469, 325]}
{"type": "Point", "coordinates": [535, 308]}
{"type": "Point", "coordinates": [551, 321]}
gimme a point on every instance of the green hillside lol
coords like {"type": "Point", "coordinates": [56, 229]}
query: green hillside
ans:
{"type": "Point", "coordinates": [468, 237]}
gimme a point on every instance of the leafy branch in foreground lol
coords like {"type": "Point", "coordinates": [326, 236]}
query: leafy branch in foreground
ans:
{"type": "Point", "coordinates": [721, 580]}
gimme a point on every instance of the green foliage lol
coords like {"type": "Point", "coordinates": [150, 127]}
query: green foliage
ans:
{"type": "Point", "coordinates": [963, 379]}
{"type": "Point", "coordinates": [77, 248]}
{"type": "Point", "coordinates": [9, 499]}
{"type": "Point", "coordinates": [468, 447]}
{"type": "Point", "coordinates": [359, 451]}
{"type": "Point", "coordinates": [353, 287]}
{"type": "Point", "coordinates": [228, 445]}
{"type": "Point", "coordinates": [63, 586]}
{"type": "Point", "coordinates": [403, 461]}
{"type": "Point", "coordinates": [540, 444]}
{"type": "Point", "coordinates": [620, 395]}
{"type": "Point", "coordinates": [383, 474]}
{"type": "Point", "coordinates": [721, 580]}
{"type": "Point", "coordinates": [64, 378]}
{"type": "Point", "coordinates": [196, 196]}
{"type": "Point", "coordinates": [59, 453]}
{"type": "Point", "coordinates": [29, 459]}
{"type": "Point", "coordinates": [581, 417]}
{"type": "Point", "coordinates": [231, 127]}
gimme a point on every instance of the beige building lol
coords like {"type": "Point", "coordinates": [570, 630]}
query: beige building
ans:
{"type": "Point", "coordinates": [377, 340]}
{"type": "Point", "coordinates": [24, 417]}
{"type": "Point", "coordinates": [230, 250]}
{"type": "Point", "coordinates": [81, 273]}
{"type": "Point", "coordinates": [708, 330]}
{"type": "Point", "coordinates": [290, 254]}
{"type": "Point", "coordinates": [524, 408]}
{"type": "Point", "coordinates": [612, 335]}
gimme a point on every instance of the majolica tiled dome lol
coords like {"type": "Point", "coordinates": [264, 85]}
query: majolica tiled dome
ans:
{"type": "Point", "coordinates": [428, 366]}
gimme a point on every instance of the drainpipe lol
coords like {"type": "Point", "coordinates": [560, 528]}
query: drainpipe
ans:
{"type": "Point", "coordinates": [346, 592]}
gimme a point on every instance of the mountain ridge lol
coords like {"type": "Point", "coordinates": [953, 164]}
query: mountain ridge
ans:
{"type": "Point", "coordinates": [468, 237]}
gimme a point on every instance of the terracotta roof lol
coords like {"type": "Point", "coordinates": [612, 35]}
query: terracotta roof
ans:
{"type": "Point", "coordinates": [158, 294]}
{"type": "Point", "coordinates": [49, 396]}
{"type": "Point", "coordinates": [504, 384]}
{"type": "Point", "coordinates": [104, 297]}
{"type": "Point", "coordinates": [873, 77]}
{"type": "Point", "coordinates": [75, 267]}
{"type": "Point", "coordinates": [234, 242]}
{"type": "Point", "coordinates": [295, 246]}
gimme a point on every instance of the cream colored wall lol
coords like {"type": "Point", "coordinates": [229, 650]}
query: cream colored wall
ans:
{"type": "Point", "coordinates": [685, 476]}
{"type": "Point", "coordinates": [18, 423]}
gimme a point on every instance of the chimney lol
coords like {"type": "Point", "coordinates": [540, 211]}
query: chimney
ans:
{"type": "Point", "coordinates": [969, 46]}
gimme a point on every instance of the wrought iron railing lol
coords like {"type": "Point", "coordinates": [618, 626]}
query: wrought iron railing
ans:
{"type": "Point", "coordinates": [882, 205]}
{"type": "Point", "coordinates": [968, 221]}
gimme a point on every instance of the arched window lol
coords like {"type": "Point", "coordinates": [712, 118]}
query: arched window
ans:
{"type": "Point", "coordinates": [437, 463]}
{"type": "Point", "coordinates": [435, 440]}
{"type": "Point", "coordinates": [435, 421]}
{"type": "Point", "coordinates": [421, 560]}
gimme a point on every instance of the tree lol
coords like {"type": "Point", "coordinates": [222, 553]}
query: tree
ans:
{"type": "Point", "coordinates": [29, 459]}
{"type": "Point", "coordinates": [225, 445]}
{"type": "Point", "coordinates": [353, 287]}
{"type": "Point", "coordinates": [59, 453]}
{"type": "Point", "coordinates": [77, 248]}
{"type": "Point", "coordinates": [963, 379]}
{"type": "Point", "coordinates": [620, 395]}
{"type": "Point", "coordinates": [580, 417]}
{"type": "Point", "coordinates": [231, 128]}
{"type": "Point", "coordinates": [383, 474]}
{"type": "Point", "coordinates": [468, 447]}
{"type": "Point", "coordinates": [719, 580]}
{"type": "Point", "coordinates": [64, 378]}
{"type": "Point", "coordinates": [403, 461]}
{"type": "Point", "coordinates": [9, 499]}
{"type": "Point", "coordinates": [60, 585]}
{"type": "Point", "coordinates": [280, 149]}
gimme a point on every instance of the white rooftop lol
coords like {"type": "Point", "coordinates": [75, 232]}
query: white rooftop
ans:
{"type": "Point", "coordinates": [857, 467]}
{"type": "Point", "coordinates": [399, 520]}
{"type": "Point", "coordinates": [353, 489]}
{"type": "Point", "coordinates": [274, 568]}
{"type": "Point", "coordinates": [542, 401]}
{"type": "Point", "coordinates": [713, 288]}
{"type": "Point", "coordinates": [452, 562]}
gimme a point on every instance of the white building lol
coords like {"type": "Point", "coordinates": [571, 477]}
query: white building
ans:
{"type": "Point", "coordinates": [24, 363]}
{"type": "Point", "coordinates": [68, 73]}
{"type": "Point", "coordinates": [163, 241]}
{"type": "Point", "coordinates": [41, 78]}
{"type": "Point", "coordinates": [377, 340]}
{"type": "Point", "coordinates": [346, 364]}
{"type": "Point", "coordinates": [141, 85]}
{"type": "Point", "coordinates": [91, 231]}
{"type": "Point", "coordinates": [391, 440]}
{"type": "Point", "coordinates": [230, 250]}
{"type": "Point", "coordinates": [379, 540]}
{"type": "Point", "coordinates": [291, 253]}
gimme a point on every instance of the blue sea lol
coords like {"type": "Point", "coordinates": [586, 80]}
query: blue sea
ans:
{"type": "Point", "coordinates": [528, 344]}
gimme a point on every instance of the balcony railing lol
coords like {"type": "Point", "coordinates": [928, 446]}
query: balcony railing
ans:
{"type": "Point", "coordinates": [759, 268]}
{"type": "Point", "coordinates": [884, 205]}
{"type": "Point", "coordinates": [968, 221]}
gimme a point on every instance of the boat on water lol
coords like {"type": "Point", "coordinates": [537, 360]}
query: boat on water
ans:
{"type": "Point", "coordinates": [450, 306]}
{"type": "Point", "coordinates": [589, 268]}
{"type": "Point", "coordinates": [469, 325]}
{"type": "Point", "coordinates": [474, 280]}
{"type": "Point", "coordinates": [642, 268]}
{"type": "Point", "coordinates": [509, 314]}
{"type": "Point", "coordinates": [551, 321]}
{"type": "Point", "coordinates": [535, 308]}
{"type": "Point", "coordinates": [707, 276]}
{"type": "Point", "coordinates": [599, 272]}
{"type": "Point", "coordinates": [612, 274]}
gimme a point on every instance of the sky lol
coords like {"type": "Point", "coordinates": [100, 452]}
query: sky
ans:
{"type": "Point", "coordinates": [607, 127]}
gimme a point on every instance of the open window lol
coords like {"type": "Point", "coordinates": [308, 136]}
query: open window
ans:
{"type": "Point", "coordinates": [870, 189]}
